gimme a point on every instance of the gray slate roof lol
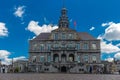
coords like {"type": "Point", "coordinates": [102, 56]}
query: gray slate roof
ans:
{"type": "Point", "coordinates": [82, 35]}
{"type": "Point", "coordinates": [85, 36]}
{"type": "Point", "coordinates": [42, 36]}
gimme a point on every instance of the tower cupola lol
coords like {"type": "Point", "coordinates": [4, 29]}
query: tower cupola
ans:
{"type": "Point", "coordinates": [63, 21]}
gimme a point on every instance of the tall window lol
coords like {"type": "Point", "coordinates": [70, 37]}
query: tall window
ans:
{"type": "Point", "coordinates": [63, 36]}
{"type": "Point", "coordinates": [41, 47]}
{"type": "Point", "coordinates": [34, 59]}
{"type": "Point", "coordinates": [42, 58]}
{"type": "Point", "coordinates": [49, 58]}
{"type": "Point", "coordinates": [78, 46]}
{"type": "Point", "coordinates": [94, 46]}
{"type": "Point", "coordinates": [34, 46]}
{"type": "Point", "coordinates": [63, 58]}
{"type": "Point", "coordinates": [70, 36]}
{"type": "Point", "coordinates": [70, 45]}
{"type": "Point", "coordinates": [48, 46]}
{"type": "Point", "coordinates": [56, 36]}
{"type": "Point", "coordinates": [55, 57]}
{"type": "Point", "coordinates": [85, 46]}
{"type": "Point", "coordinates": [71, 57]}
{"type": "Point", "coordinates": [94, 58]}
{"type": "Point", "coordinates": [86, 58]}
{"type": "Point", "coordinates": [56, 45]}
{"type": "Point", "coordinates": [78, 58]}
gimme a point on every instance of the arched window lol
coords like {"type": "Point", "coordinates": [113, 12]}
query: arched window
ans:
{"type": "Point", "coordinates": [55, 57]}
{"type": "Point", "coordinates": [71, 57]}
{"type": "Point", "coordinates": [63, 58]}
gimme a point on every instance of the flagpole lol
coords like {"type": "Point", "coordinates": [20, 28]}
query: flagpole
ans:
{"type": "Point", "coordinates": [75, 25]}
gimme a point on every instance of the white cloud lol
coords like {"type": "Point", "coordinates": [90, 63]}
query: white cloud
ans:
{"type": "Point", "coordinates": [19, 11]}
{"type": "Point", "coordinates": [4, 56]}
{"type": "Point", "coordinates": [117, 56]}
{"type": "Point", "coordinates": [19, 58]}
{"type": "Point", "coordinates": [107, 47]}
{"type": "Point", "coordinates": [92, 28]}
{"type": "Point", "coordinates": [112, 31]}
{"type": "Point", "coordinates": [36, 29]}
{"type": "Point", "coordinates": [118, 45]}
{"type": "Point", "coordinates": [109, 59]}
{"type": "Point", "coordinates": [3, 29]}
{"type": "Point", "coordinates": [106, 24]}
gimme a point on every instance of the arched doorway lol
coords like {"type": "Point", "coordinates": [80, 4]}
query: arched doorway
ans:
{"type": "Point", "coordinates": [71, 57]}
{"type": "Point", "coordinates": [55, 57]}
{"type": "Point", "coordinates": [63, 58]}
{"type": "Point", "coordinates": [63, 69]}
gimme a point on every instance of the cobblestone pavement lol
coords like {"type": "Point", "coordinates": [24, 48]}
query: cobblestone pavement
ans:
{"type": "Point", "coordinates": [34, 76]}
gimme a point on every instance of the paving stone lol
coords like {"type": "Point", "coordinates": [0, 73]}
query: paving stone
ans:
{"type": "Point", "coordinates": [35, 76]}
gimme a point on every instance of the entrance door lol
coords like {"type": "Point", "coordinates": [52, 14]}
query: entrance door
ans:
{"type": "Point", "coordinates": [63, 69]}
{"type": "Point", "coordinates": [3, 70]}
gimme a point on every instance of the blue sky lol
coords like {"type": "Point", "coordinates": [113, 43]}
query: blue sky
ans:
{"type": "Point", "coordinates": [21, 20]}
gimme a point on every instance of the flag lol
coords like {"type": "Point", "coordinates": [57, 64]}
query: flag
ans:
{"type": "Point", "coordinates": [75, 23]}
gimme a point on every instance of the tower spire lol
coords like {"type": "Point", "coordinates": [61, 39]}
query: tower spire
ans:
{"type": "Point", "coordinates": [63, 21]}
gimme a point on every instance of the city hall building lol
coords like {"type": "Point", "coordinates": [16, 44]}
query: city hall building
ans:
{"type": "Point", "coordinates": [64, 50]}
